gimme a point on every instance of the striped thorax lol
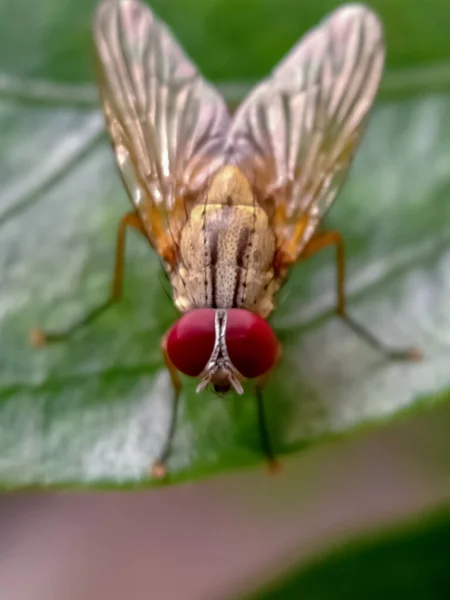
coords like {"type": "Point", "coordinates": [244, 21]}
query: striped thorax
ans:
{"type": "Point", "coordinates": [226, 250]}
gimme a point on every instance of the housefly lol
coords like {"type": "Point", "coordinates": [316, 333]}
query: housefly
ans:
{"type": "Point", "coordinates": [230, 203]}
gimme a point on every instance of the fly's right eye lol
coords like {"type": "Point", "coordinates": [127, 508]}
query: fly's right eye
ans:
{"type": "Point", "coordinates": [191, 341]}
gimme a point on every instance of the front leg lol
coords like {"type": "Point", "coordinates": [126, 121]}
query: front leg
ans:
{"type": "Point", "coordinates": [159, 467]}
{"type": "Point", "coordinates": [266, 444]}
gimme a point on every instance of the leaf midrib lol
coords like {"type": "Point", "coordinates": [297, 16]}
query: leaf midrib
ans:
{"type": "Point", "coordinates": [407, 80]}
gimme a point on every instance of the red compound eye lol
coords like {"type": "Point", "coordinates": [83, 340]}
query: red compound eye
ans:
{"type": "Point", "coordinates": [251, 343]}
{"type": "Point", "coordinates": [191, 341]}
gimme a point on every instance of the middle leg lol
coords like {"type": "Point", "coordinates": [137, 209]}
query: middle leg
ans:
{"type": "Point", "coordinates": [334, 238]}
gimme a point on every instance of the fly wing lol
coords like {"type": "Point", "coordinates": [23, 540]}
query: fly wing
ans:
{"type": "Point", "coordinates": [296, 133]}
{"type": "Point", "coordinates": [166, 124]}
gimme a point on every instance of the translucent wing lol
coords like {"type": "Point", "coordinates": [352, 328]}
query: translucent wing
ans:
{"type": "Point", "coordinates": [296, 133]}
{"type": "Point", "coordinates": [167, 125]}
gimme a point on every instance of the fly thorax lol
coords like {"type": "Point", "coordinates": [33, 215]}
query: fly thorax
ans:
{"type": "Point", "coordinates": [227, 248]}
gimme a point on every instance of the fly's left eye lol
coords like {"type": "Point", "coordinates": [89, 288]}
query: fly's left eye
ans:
{"type": "Point", "coordinates": [191, 341]}
{"type": "Point", "coordinates": [251, 343]}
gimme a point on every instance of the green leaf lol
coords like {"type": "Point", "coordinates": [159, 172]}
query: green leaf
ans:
{"type": "Point", "coordinates": [94, 411]}
{"type": "Point", "coordinates": [408, 562]}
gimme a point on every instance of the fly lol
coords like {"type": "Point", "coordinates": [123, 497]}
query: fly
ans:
{"type": "Point", "coordinates": [230, 203]}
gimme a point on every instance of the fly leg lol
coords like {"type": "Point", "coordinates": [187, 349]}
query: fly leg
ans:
{"type": "Point", "coordinates": [266, 445]}
{"type": "Point", "coordinates": [159, 468]}
{"type": "Point", "coordinates": [40, 337]}
{"type": "Point", "coordinates": [330, 238]}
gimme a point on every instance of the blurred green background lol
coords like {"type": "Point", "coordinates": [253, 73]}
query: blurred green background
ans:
{"type": "Point", "coordinates": [229, 39]}
{"type": "Point", "coordinates": [91, 413]}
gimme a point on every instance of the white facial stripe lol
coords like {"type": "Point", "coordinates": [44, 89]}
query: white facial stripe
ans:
{"type": "Point", "coordinates": [220, 359]}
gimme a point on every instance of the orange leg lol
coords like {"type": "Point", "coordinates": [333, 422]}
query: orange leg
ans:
{"type": "Point", "coordinates": [323, 240]}
{"type": "Point", "coordinates": [334, 238]}
{"type": "Point", "coordinates": [159, 468]}
{"type": "Point", "coordinates": [39, 337]}
{"type": "Point", "coordinates": [289, 249]}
